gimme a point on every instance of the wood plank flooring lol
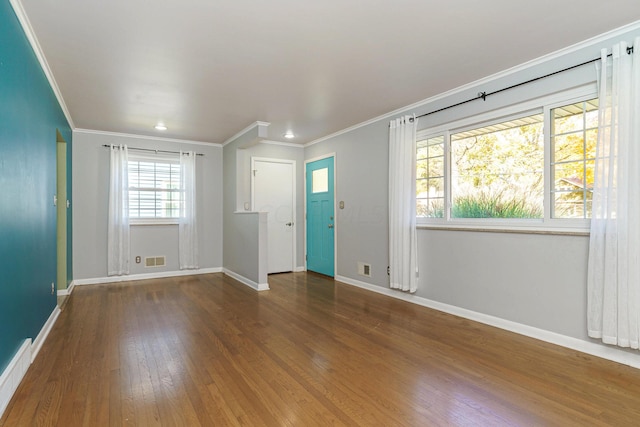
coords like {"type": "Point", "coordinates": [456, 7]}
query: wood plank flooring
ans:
{"type": "Point", "coordinates": [207, 351]}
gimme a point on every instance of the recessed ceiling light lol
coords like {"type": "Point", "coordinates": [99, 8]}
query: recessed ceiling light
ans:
{"type": "Point", "coordinates": [161, 126]}
{"type": "Point", "coordinates": [289, 135]}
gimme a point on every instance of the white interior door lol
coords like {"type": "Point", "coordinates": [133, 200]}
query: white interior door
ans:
{"type": "Point", "coordinates": [273, 190]}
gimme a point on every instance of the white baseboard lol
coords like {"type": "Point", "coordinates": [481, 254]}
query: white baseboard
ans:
{"type": "Point", "coordinates": [599, 350]}
{"type": "Point", "coordinates": [68, 291]}
{"type": "Point", "coordinates": [245, 281]}
{"type": "Point", "coordinates": [44, 333]}
{"type": "Point", "coordinates": [13, 374]}
{"type": "Point", "coordinates": [134, 277]}
{"type": "Point", "coordinates": [299, 269]}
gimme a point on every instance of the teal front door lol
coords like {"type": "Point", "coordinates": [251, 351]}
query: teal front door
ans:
{"type": "Point", "coordinates": [320, 217]}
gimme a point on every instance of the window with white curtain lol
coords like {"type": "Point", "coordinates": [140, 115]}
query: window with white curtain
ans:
{"type": "Point", "coordinates": [528, 166]}
{"type": "Point", "coordinates": [155, 195]}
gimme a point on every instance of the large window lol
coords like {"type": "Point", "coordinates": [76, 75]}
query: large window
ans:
{"type": "Point", "coordinates": [154, 189]}
{"type": "Point", "coordinates": [530, 169]}
{"type": "Point", "coordinates": [497, 170]}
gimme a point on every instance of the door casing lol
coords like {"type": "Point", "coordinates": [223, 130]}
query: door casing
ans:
{"type": "Point", "coordinates": [61, 212]}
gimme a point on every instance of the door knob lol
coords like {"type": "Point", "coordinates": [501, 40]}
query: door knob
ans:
{"type": "Point", "coordinates": [330, 225]}
{"type": "Point", "coordinates": [289, 224]}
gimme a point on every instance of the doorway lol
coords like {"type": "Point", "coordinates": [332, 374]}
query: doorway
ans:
{"type": "Point", "coordinates": [319, 175]}
{"type": "Point", "coordinates": [273, 190]}
{"type": "Point", "coordinates": [62, 205]}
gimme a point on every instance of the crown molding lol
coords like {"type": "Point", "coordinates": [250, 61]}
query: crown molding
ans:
{"type": "Point", "coordinates": [245, 130]}
{"type": "Point", "coordinates": [499, 75]}
{"type": "Point", "coordinates": [281, 143]}
{"type": "Point", "coordinates": [37, 49]}
{"type": "Point", "coordinates": [154, 138]}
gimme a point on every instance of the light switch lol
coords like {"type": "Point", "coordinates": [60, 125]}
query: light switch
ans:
{"type": "Point", "coordinates": [341, 204]}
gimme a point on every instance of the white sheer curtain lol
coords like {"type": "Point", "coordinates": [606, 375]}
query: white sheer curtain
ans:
{"type": "Point", "coordinates": [118, 222]}
{"type": "Point", "coordinates": [403, 241]}
{"type": "Point", "coordinates": [188, 232]}
{"type": "Point", "coordinates": [614, 247]}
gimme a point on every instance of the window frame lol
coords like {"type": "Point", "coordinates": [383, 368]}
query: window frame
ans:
{"type": "Point", "coordinates": [444, 171]}
{"type": "Point", "coordinates": [155, 158]}
{"type": "Point", "coordinates": [546, 224]}
{"type": "Point", "coordinates": [551, 162]}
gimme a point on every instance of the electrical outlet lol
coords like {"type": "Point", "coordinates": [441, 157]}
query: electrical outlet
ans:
{"type": "Point", "coordinates": [138, 259]}
{"type": "Point", "coordinates": [53, 289]}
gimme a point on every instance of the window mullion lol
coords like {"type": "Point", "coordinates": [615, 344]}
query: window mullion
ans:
{"type": "Point", "coordinates": [548, 172]}
{"type": "Point", "coordinates": [584, 159]}
{"type": "Point", "coordinates": [447, 176]}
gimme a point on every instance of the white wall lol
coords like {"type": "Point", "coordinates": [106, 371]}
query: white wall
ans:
{"type": "Point", "coordinates": [534, 280]}
{"type": "Point", "coordinates": [91, 195]}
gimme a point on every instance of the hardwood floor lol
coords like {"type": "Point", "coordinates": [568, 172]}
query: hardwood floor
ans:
{"type": "Point", "coordinates": [206, 350]}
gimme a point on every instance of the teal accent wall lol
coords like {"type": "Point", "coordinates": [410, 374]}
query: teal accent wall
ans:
{"type": "Point", "coordinates": [29, 117]}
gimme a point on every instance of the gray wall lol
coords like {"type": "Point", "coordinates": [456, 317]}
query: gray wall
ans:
{"type": "Point", "coordinates": [361, 171]}
{"type": "Point", "coordinates": [245, 252]}
{"type": "Point", "coordinates": [241, 231]}
{"type": "Point", "coordinates": [535, 280]}
{"type": "Point", "coordinates": [242, 247]}
{"type": "Point", "coordinates": [91, 196]}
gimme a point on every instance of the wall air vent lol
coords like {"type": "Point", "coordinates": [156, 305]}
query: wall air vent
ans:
{"type": "Point", "coordinates": [364, 269]}
{"type": "Point", "coordinates": [154, 261]}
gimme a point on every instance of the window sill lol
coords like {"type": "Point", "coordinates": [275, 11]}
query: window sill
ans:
{"type": "Point", "coordinates": [505, 229]}
{"type": "Point", "coordinates": [154, 222]}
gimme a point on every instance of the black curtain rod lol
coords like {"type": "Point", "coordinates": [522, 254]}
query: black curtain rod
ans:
{"type": "Point", "coordinates": [483, 95]}
{"type": "Point", "coordinates": [151, 149]}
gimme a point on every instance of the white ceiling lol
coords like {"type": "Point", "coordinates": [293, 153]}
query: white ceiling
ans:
{"type": "Point", "coordinates": [209, 69]}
